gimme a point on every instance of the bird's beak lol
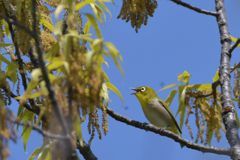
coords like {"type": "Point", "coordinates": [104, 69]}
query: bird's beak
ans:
{"type": "Point", "coordinates": [136, 90]}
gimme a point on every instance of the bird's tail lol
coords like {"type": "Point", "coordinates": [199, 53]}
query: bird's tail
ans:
{"type": "Point", "coordinates": [176, 130]}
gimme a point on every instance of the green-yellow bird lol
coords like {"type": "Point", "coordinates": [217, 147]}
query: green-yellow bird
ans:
{"type": "Point", "coordinates": [155, 110]}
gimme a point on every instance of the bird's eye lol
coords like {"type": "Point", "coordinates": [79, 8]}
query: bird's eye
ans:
{"type": "Point", "coordinates": [143, 89]}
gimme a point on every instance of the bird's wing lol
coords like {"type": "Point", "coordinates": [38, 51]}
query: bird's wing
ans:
{"type": "Point", "coordinates": [169, 112]}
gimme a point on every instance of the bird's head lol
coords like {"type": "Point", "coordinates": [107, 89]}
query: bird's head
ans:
{"type": "Point", "coordinates": [144, 94]}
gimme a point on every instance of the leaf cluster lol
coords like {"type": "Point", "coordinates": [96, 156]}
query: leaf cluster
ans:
{"type": "Point", "coordinates": [198, 103]}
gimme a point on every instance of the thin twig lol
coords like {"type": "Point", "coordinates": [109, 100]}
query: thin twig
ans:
{"type": "Point", "coordinates": [17, 52]}
{"type": "Point", "coordinates": [33, 59]}
{"type": "Point", "coordinates": [35, 109]}
{"type": "Point", "coordinates": [86, 151]}
{"type": "Point", "coordinates": [235, 45]}
{"type": "Point", "coordinates": [235, 67]}
{"type": "Point", "coordinates": [169, 134]}
{"type": "Point", "coordinates": [196, 9]}
{"type": "Point", "coordinates": [15, 22]}
{"type": "Point", "coordinates": [39, 130]}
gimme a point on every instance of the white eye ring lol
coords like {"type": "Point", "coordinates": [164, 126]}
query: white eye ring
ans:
{"type": "Point", "coordinates": [143, 89]}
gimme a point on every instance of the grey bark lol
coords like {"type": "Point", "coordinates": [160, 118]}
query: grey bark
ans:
{"type": "Point", "coordinates": [228, 114]}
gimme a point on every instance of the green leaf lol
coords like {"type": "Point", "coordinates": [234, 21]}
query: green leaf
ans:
{"type": "Point", "coordinates": [201, 87]}
{"type": "Point", "coordinates": [36, 94]}
{"type": "Point", "coordinates": [182, 106]}
{"type": "Point", "coordinates": [3, 81]}
{"type": "Point", "coordinates": [87, 27]}
{"type": "Point", "coordinates": [82, 4]}
{"type": "Point", "coordinates": [101, 4]}
{"type": "Point", "coordinates": [97, 11]}
{"type": "Point", "coordinates": [5, 44]}
{"type": "Point", "coordinates": [114, 89]}
{"type": "Point", "coordinates": [31, 85]}
{"type": "Point", "coordinates": [77, 127]}
{"type": "Point", "coordinates": [25, 136]}
{"type": "Point", "coordinates": [58, 10]}
{"type": "Point", "coordinates": [106, 78]}
{"type": "Point", "coordinates": [116, 56]}
{"type": "Point", "coordinates": [5, 60]}
{"type": "Point", "coordinates": [46, 22]}
{"type": "Point", "coordinates": [6, 27]}
{"type": "Point", "coordinates": [170, 98]}
{"type": "Point", "coordinates": [94, 23]}
{"type": "Point", "coordinates": [57, 30]}
{"type": "Point", "coordinates": [209, 135]}
{"type": "Point", "coordinates": [85, 37]}
{"type": "Point", "coordinates": [36, 74]}
{"type": "Point", "coordinates": [35, 153]}
{"type": "Point", "coordinates": [12, 71]}
{"type": "Point", "coordinates": [26, 116]}
{"type": "Point", "coordinates": [55, 64]}
{"type": "Point", "coordinates": [96, 46]}
{"type": "Point", "coordinates": [216, 76]}
{"type": "Point", "coordinates": [45, 154]}
{"type": "Point", "coordinates": [234, 40]}
{"type": "Point", "coordinates": [184, 77]}
{"type": "Point", "coordinates": [20, 110]}
{"type": "Point", "coordinates": [168, 86]}
{"type": "Point", "coordinates": [52, 77]}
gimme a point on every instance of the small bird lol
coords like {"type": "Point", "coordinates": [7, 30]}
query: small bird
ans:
{"type": "Point", "coordinates": [155, 110]}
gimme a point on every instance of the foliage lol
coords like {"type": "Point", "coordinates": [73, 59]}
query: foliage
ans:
{"type": "Point", "coordinates": [74, 60]}
{"type": "Point", "coordinates": [202, 101]}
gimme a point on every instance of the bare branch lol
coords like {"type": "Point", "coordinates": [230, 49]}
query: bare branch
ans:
{"type": "Point", "coordinates": [235, 45]}
{"type": "Point", "coordinates": [86, 151]}
{"type": "Point", "coordinates": [198, 10]}
{"type": "Point", "coordinates": [35, 109]}
{"type": "Point", "coordinates": [169, 134]}
{"type": "Point", "coordinates": [17, 52]}
{"type": "Point", "coordinates": [235, 67]}
{"type": "Point", "coordinates": [39, 130]}
{"type": "Point", "coordinates": [228, 108]}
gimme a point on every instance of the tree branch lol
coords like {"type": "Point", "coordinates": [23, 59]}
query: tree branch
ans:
{"type": "Point", "coordinates": [41, 63]}
{"type": "Point", "coordinates": [193, 8]}
{"type": "Point", "coordinates": [235, 67]}
{"type": "Point", "coordinates": [14, 21]}
{"type": "Point", "coordinates": [33, 109]}
{"type": "Point", "coordinates": [169, 134]}
{"type": "Point", "coordinates": [17, 52]}
{"type": "Point", "coordinates": [39, 130]}
{"type": "Point", "coordinates": [86, 151]}
{"type": "Point", "coordinates": [228, 109]}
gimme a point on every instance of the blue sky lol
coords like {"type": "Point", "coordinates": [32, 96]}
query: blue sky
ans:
{"type": "Point", "coordinates": [175, 39]}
